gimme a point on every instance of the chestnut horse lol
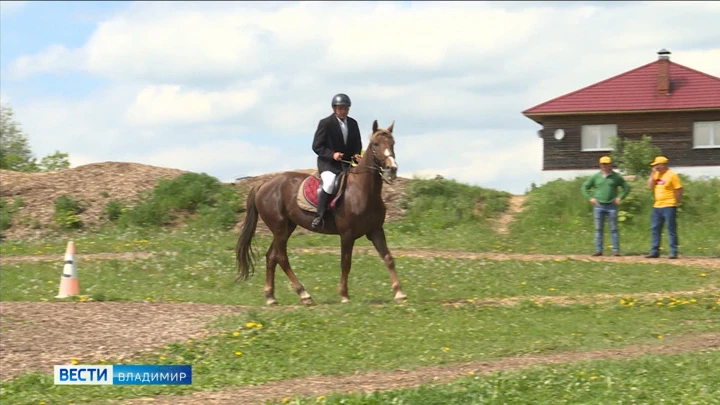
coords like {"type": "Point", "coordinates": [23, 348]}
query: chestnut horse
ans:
{"type": "Point", "coordinates": [360, 212]}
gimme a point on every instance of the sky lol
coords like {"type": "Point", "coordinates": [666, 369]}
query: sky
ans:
{"type": "Point", "coordinates": [236, 89]}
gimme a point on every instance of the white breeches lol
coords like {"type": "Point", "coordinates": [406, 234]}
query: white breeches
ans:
{"type": "Point", "coordinates": [328, 181]}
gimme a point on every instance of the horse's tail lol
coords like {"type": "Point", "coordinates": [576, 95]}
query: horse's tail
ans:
{"type": "Point", "coordinates": [244, 250]}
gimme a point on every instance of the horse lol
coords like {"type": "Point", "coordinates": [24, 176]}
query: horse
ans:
{"type": "Point", "coordinates": [359, 212]}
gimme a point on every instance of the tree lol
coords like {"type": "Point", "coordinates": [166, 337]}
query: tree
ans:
{"type": "Point", "coordinates": [15, 153]}
{"type": "Point", "coordinates": [54, 162]}
{"type": "Point", "coordinates": [634, 157]}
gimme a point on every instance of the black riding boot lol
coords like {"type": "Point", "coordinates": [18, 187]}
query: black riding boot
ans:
{"type": "Point", "coordinates": [323, 198]}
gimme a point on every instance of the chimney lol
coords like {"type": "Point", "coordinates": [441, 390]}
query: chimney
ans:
{"type": "Point", "coordinates": [663, 78]}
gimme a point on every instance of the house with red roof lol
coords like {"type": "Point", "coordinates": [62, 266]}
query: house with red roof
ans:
{"type": "Point", "coordinates": [677, 106]}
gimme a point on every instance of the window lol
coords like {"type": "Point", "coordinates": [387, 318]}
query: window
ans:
{"type": "Point", "coordinates": [706, 134]}
{"type": "Point", "coordinates": [597, 137]}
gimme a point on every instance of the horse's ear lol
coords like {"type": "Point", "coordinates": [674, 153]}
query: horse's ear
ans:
{"type": "Point", "coordinates": [390, 128]}
{"type": "Point", "coordinates": [375, 126]}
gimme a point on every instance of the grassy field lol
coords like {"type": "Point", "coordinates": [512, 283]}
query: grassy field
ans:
{"type": "Point", "coordinates": [458, 310]}
{"type": "Point", "coordinates": [678, 379]}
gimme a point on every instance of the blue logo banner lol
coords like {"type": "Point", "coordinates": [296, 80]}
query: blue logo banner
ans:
{"type": "Point", "coordinates": [123, 374]}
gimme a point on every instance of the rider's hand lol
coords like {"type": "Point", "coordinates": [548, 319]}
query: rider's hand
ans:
{"type": "Point", "coordinates": [357, 157]}
{"type": "Point", "coordinates": [337, 155]}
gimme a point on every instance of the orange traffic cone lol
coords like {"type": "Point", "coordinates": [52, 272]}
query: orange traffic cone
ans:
{"type": "Point", "coordinates": [69, 280]}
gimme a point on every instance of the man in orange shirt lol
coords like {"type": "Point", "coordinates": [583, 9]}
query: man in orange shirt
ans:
{"type": "Point", "coordinates": [667, 189]}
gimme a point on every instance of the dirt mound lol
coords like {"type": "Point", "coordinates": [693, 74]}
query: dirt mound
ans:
{"type": "Point", "coordinates": [92, 185]}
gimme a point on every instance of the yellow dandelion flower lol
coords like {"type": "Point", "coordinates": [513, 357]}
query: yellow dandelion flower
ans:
{"type": "Point", "coordinates": [250, 325]}
{"type": "Point", "coordinates": [551, 289]}
{"type": "Point", "coordinates": [445, 349]}
{"type": "Point", "coordinates": [163, 358]}
{"type": "Point", "coordinates": [50, 282]}
{"type": "Point", "coordinates": [593, 377]}
{"type": "Point", "coordinates": [659, 336]}
{"type": "Point", "coordinates": [238, 353]}
{"type": "Point", "coordinates": [285, 400]}
{"type": "Point", "coordinates": [703, 275]}
{"type": "Point", "coordinates": [320, 399]}
{"type": "Point", "coordinates": [73, 361]}
{"type": "Point", "coordinates": [236, 334]}
{"type": "Point", "coordinates": [316, 288]}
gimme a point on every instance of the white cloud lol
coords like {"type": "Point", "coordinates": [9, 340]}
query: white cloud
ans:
{"type": "Point", "coordinates": [168, 104]}
{"type": "Point", "coordinates": [9, 7]}
{"type": "Point", "coordinates": [231, 88]}
{"type": "Point", "coordinates": [56, 58]}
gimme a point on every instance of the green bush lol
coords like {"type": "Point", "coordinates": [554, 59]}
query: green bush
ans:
{"type": "Point", "coordinates": [199, 196]}
{"type": "Point", "coordinates": [634, 157]}
{"type": "Point", "coordinates": [7, 211]}
{"type": "Point", "coordinates": [67, 211]}
{"type": "Point", "coordinates": [113, 210]}
{"type": "Point", "coordinates": [439, 203]}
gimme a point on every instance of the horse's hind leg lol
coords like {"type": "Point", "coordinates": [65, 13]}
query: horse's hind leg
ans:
{"type": "Point", "coordinates": [281, 239]}
{"type": "Point", "coordinates": [271, 263]}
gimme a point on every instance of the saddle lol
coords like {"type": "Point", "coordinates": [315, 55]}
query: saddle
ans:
{"type": "Point", "coordinates": [307, 196]}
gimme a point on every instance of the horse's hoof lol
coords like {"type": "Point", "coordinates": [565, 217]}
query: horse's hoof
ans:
{"type": "Point", "coordinates": [307, 301]}
{"type": "Point", "coordinates": [400, 297]}
{"type": "Point", "coordinates": [271, 302]}
{"type": "Point", "coordinates": [344, 300]}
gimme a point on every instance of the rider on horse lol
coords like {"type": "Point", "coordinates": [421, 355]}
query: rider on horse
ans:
{"type": "Point", "coordinates": [337, 141]}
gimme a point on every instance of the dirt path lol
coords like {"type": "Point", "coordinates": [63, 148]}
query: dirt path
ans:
{"type": "Point", "coordinates": [397, 379]}
{"type": "Point", "coordinates": [88, 256]}
{"type": "Point", "coordinates": [582, 299]}
{"type": "Point", "coordinates": [515, 207]}
{"type": "Point", "coordinates": [422, 253]}
{"type": "Point", "coordinates": [416, 252]}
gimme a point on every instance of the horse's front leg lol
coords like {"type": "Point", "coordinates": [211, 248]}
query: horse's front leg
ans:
{"type": "Point", "coordinates": [377, 237]}
{"type": "Point", "coordinates": [346, 251]}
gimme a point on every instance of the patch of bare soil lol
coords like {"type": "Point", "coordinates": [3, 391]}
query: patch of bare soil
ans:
{"type": "Point", "coordinates": [38, 335]}
{"type": "Point", "coordinates": [515, 207]}
{"type": "Point", "coordinates": [392, 196]}
{"type": "Point", "coordinates": [580, 299]}
{"type": "Point", "coordinates": [88, 256]}
{"type": "Point", "coordinates": [399, 379]}
{"type": "Point", "coordinates": [702, 262]}
{"type": "Point", "coordinates": [92, 185]}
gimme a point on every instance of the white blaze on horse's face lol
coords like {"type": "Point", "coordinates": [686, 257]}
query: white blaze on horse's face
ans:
{"type": "Point", "coordinates": [391, 158]}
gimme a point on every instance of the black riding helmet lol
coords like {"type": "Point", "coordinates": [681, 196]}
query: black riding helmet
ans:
{"type": "Point", "coordinates": [341, 99]}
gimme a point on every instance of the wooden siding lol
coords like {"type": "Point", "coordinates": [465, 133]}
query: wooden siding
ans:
{"type": "Point", "coordinates": [672, 132]}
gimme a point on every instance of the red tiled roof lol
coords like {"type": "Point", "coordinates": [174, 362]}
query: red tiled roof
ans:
{"type": "Point", "coordinates": [635, 90]}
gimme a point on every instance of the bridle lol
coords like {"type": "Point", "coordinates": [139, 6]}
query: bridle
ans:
{"type": "Point", "coordinates": [381, 170]}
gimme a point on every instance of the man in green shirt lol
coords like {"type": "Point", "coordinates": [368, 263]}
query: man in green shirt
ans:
{"type": "Point", "coordinates": [604, 185]}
